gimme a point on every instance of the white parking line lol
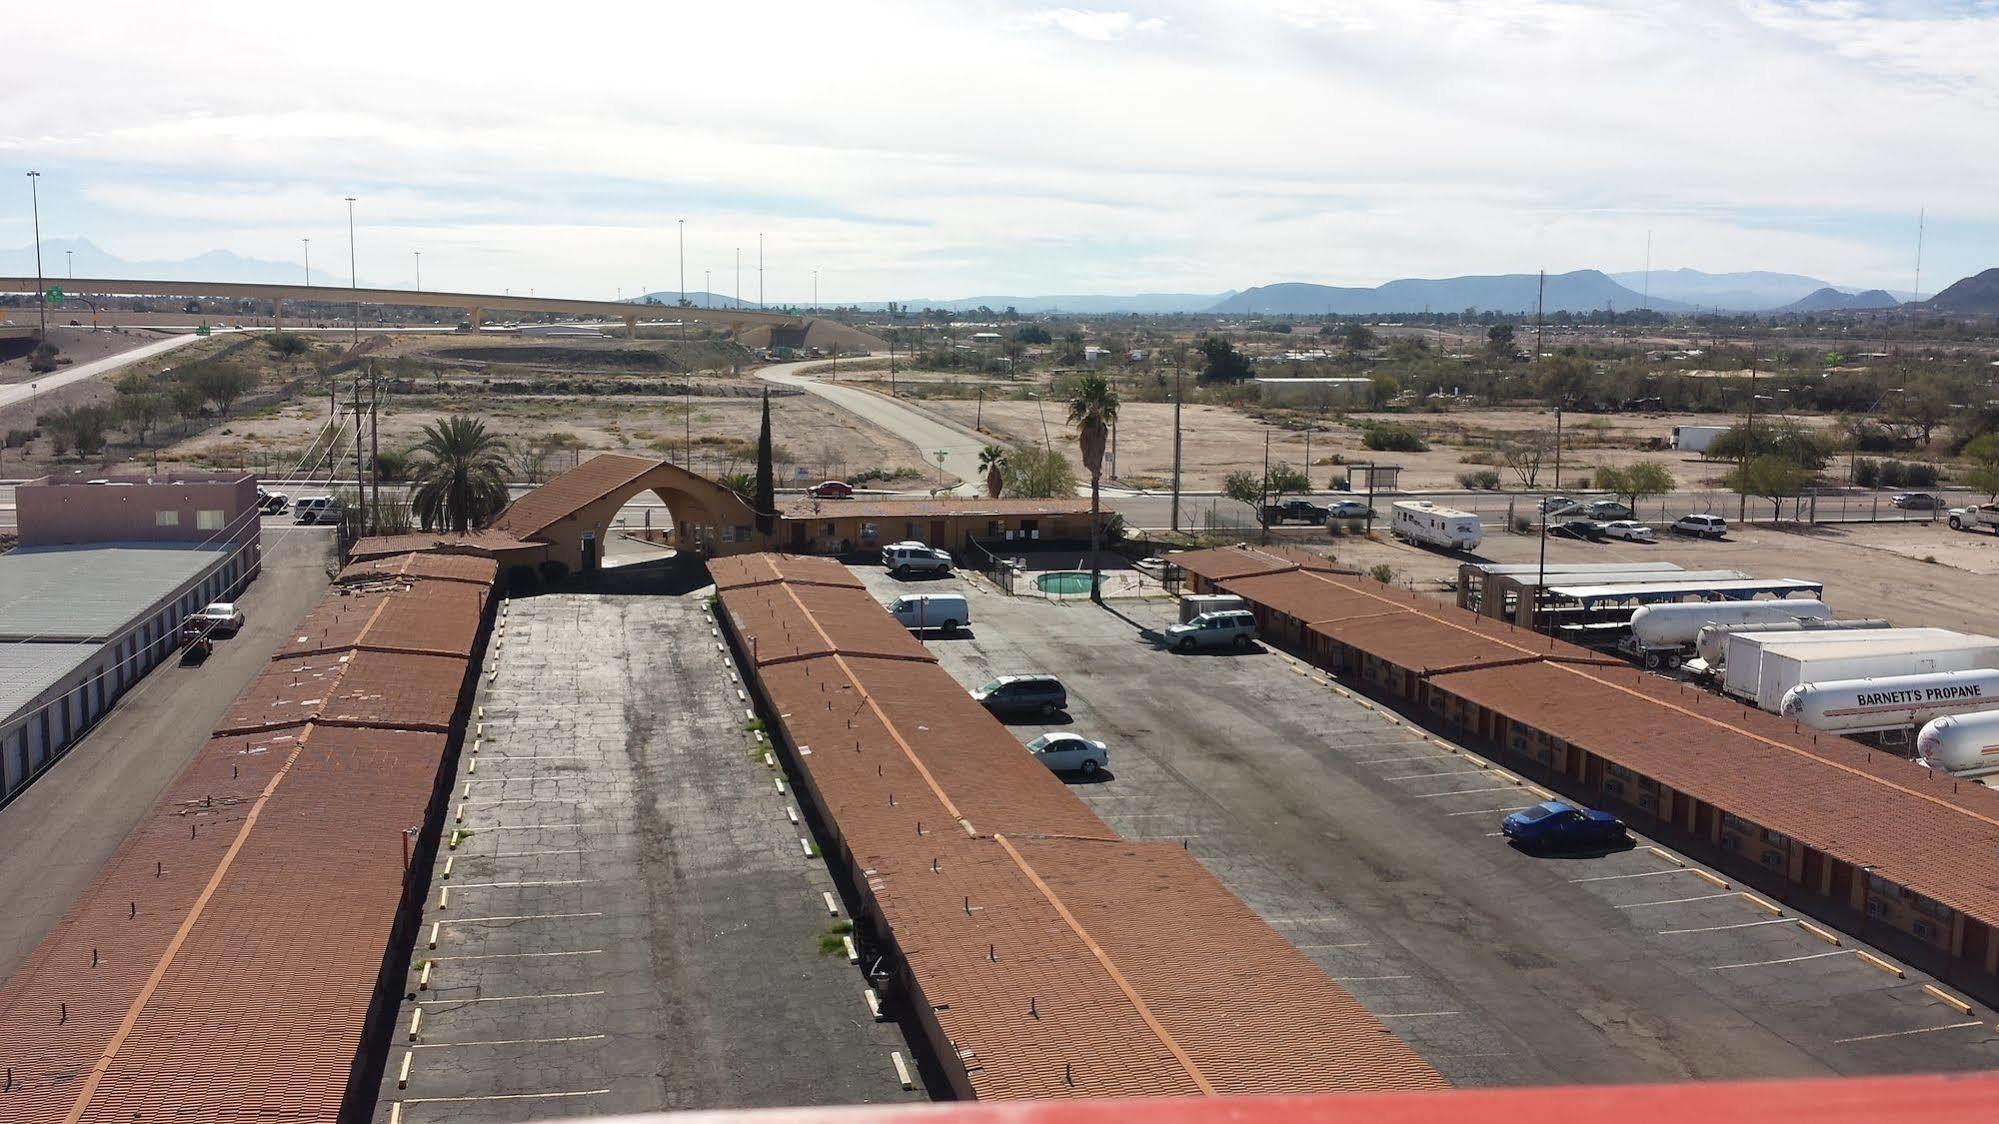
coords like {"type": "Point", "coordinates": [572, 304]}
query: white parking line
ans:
{"type": "Point", "coordinates": [1419, 1015]}
{"type": "Point", "coordinates": [513, 955]}
{"type": "Point", "coordinates": [1640, 874]}
{"type": "Point", "coordinates": [505, 1097]}
{"type": "Point", "coordinates": [1352, 944]}
{"type": "Point", "coordinates": [518, 917]}
{"type": "Point", "coordinates": [1785, 960]}
{"type": "Point", "coordinates": [1901, 1033]}
{"type": "Point", "coordinates": [1426, 776]}
{"type": "Point", "coordinates": [515, 885]}
{"type": "Point", "coordinates": [1463, 792]}
{"type": "Point", "coordinates": [535, 854]}
{"type": "Point", "coordinates": [507, 998]}
{"type": "Point", "coordinates": [513, 1041]}
{"type": "Point", "coordinates": [1490, 811]}
{"type": "Point", "coordinates": [1356, 979]}
{"type": "Point", "coordinates": [1406, 757]}
{"type": "Point", "coordinates": [1681, 901]}
{"type": "Point", "coordinates": [1740, 925]}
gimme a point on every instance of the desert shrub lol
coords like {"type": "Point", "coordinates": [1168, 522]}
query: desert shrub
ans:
{"type": "Point", "coordinates": [1393, 439]}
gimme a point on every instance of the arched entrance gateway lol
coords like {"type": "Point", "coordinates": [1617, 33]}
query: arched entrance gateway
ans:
{"type": "Point", "coordinates": [573, 513]}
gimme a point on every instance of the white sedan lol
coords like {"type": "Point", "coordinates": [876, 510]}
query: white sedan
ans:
{"type": "Point", "coordinates": [1628, 530]}
{"type": "Point", "coordinates": [1070, 753]}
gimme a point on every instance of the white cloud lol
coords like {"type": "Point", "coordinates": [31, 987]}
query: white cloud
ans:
{"type": "Point", "coordinates": [1100, 26]}
{"type": "Point", "coordinates": [932, 151]}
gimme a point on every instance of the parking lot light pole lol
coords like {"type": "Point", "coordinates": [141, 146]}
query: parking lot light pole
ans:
{"type": "Point", "coordinates": [1177, 395]}
{"type": "Point", "coordinates": [41, 298]}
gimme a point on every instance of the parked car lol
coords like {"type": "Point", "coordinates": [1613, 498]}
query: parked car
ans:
{"type": "Point", "coordinates": [1064, 752]}
{"type": "Point", "coordinates": [318, 509]}
{"type": "Point", "coordinates": [222, 618]}
{"type": "Point", "coordinates": [1234, 628]}
{"type": "Point", "coordinates": [1293, 511]}
{"type": "Point", "coordinates": [1607, 509]}
{"type": "Point", "coordinates": [906, 558]}
{"type": "Point", "coordinates": [272, 503]}
{"type": "Point", "coordinates": [1628, 530]}
{"type": "Point", "coordinates": [1701, 526]}
{"type": "Point", "coordinates": [1582, 530]}
{"type": "Point", "coordinates": [1553, 824]}
{"type": "Point", "coordinates": [1555, 505]}
{"type": "Point", "coordinates": [942, 611]}
{"type": "Point", "coordinates": [833, 490]}
{"type": "Point", "coordinates": [1916, 501]}
{"type": "Point", "coordinates": [1024, 694]}
{"type": "Point", "coordinates": [1349, 509]}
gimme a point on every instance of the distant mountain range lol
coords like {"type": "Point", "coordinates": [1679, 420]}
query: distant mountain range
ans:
{"type": "Point", "coordinates": [91, 261]}
{"type": "Point", "coordinates": [1977, 295]}
{"type": "Point", "coordinates": [1079, 304]}
{"type": "Point", "coordinates": [1581, 291]}
{"type": "Point", "coordinates": [701, 299]}
{"type": "Point", "coordinates": [1754, 291]}
{"type": "Point", "coordinates": [1830, 299]}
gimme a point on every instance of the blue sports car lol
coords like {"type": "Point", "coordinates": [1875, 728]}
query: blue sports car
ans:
{"type": "Point", "coordinates": [1552, 823]}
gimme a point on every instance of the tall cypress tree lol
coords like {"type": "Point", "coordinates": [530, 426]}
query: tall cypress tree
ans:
{"type": "Point", "coordinates": [766, 500]}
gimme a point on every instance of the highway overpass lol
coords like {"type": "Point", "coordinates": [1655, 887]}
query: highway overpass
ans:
{"type": "Point", "coordinates": [475, 305]}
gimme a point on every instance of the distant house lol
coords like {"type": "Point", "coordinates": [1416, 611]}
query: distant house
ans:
{"type": "Point", "coordinates": [1094, 354]}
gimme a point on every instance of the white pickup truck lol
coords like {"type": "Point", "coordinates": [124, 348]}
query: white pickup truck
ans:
{"type": "Point", "coordinates": [1972, 518]}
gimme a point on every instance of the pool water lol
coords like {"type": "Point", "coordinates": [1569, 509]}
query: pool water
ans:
{"type": "Point", "coordinates": [1063, 581]}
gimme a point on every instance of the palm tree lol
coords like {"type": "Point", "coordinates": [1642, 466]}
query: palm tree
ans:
{"type": "Point", "coordinates": [460, 475]}
{"type": "Point", "coordinates": [1092, 409]}
{"type": "Point", "coordinates": [992, 459]}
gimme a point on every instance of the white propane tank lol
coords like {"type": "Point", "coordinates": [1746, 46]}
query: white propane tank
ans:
{"type": "Point", "coordinates": [1676, 625]}
{"type": "Point", "coordinates": [1890, 702]}
{"type": "Point", "coordinates": [1966, 745]}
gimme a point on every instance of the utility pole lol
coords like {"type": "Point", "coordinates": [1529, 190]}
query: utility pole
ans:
{"type": "Point", "coordinates": [1177, 395]}
{"type": "Point", "coordinates": [1263, 493]}
{"type": "Point", "coordinates": [374, 445]}
{"type": "Point", "coordinates": [760, 273]}
{"type": "Point", "coordinates": [707, 287]}
{"type": "Point", "coordinates": [354, 286]}
{"type": "Point", "coordinates": [419, 269]}
{"type": "Point", "coordinates": [1540, 297]}
{"type": "Point", "coordinates": [1749, 443]}
{"type": "Point", "coordinates": [308, 261]}
{"type": "Point", "coordinates": [891, 362]}
{"type": "Point", "coordinates": [739, 277]}
{"type": "Point", "coordinates": [1558, 448]}
{"type": "Point", "coordinates": [41, 296]}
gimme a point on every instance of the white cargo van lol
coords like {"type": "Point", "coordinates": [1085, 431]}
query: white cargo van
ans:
{"type": "Point", "coordinates": [1194, 604]}
{"type": "Point", "coordinates": [1426, 524]}
{"type": "Point", "coordinates": [942, 611]}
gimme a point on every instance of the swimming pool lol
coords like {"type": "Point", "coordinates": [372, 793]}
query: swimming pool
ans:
{"type": "Point", "coordinates": [1063, 581]}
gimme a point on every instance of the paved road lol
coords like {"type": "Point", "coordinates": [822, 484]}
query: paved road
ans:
{"type": "Point", "coordinates": [22, 392]}
{"type": "Point", "coordinates": [61, 829]}
{"type": "Point", "coordinates": [1368, 844]}
{"type": "Point", "coordinates": [960, 445]}
{"type": "Point", "coordinates": [633, 925]}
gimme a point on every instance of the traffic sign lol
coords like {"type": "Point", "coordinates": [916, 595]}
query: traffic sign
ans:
{"type": "Point", "coordinates": [54, 295]}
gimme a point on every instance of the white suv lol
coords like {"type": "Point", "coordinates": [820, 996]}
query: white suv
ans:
{"type": "Point", "coordinates": [1229, 628]}
{"type": "Point", "coordinates": [1701, 526]}
{"type": "Point", "coordinates": [905, 558]}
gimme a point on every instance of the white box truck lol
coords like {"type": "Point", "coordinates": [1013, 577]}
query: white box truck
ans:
{"type": "Point", "coordinates": [1743, 652]}
{"type": "Point", "coordinates": [1788, 664]}
{"type": "Point", "coordinates": [1696, 438]}
{"type": "Point", "coordinates": [1427, 524]}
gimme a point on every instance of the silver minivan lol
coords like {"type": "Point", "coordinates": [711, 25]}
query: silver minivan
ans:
{"type": "Point", "coordinates": [1231, 628]}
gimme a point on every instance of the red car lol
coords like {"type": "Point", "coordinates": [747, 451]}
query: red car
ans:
{"type": "Point", "coordinates": [833, 490]}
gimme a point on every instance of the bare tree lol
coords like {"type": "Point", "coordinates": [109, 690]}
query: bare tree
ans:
{"type": "Point", "coordinates": [1523, 457]}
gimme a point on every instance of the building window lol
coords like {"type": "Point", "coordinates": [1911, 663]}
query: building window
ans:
{"type": "Point", "coordinates": [1737, 824]}
{"type": "Point", "coordinates": [869, 532]}
{"type": "Point", "coordinates": [166, 518]}
{"type": "Point", "coordinates": [210, 520]}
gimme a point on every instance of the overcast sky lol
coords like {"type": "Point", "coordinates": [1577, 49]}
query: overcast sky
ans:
{"type": "Point", "coordinates": [944, 150]}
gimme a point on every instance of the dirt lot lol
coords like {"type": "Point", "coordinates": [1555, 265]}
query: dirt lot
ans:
{"type": "Point", "coordinates": [1868, 569]}
{"type": "Point", "coordinates": [79, 345]}
{"type": "Point", "coordinates": [817, 438]}
{"type": "Point", "coordinates": [1217, 440]}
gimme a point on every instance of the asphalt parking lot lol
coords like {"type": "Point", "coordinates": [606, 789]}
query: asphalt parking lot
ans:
{"type": "Point", "coordinates": [628, 921]}
{"type": "Point", "coordinates": [1373, 846]}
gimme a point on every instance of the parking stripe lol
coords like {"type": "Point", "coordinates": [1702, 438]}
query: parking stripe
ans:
{"type": "Point", "coordinates": [1463, 792]}
{"type": "Point", "coordinates": [1640, 874]}
{"type": "Point", "coordinates": [1426, 776]}
{"type": "Point", "coordinates": [1490, 811]}
{"type": "Point", "coordinates": [1681, 901]}
{"type": "Point", "coordinates": [1902, 1033]}
{"type": "Point", "coordinates": [1741, 925]}
{"type": "Point", "coordinates": [1784, 960]}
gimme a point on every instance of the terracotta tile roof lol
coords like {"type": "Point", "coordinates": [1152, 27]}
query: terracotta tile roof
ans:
{"type": "Point", "coordinates": [787, 620]}
{"type": "Point", "coordinates": [240, 929]}
{"type": "Point", "coordinates": [420, 564]}
{"type": "Point", "coordinates": [734, 571]}
{"type": "Point", "coordinates": [1057, 959]}
{"type": "Point", "coordinates": [477, 543]}
{"type": "Point", "coordinates": [1865, 808]}
{"type": "Point", "coordinates": [864, 507]}
{"type": "Point", "coordinates": [561, 497]}
{"type": "Point", "coordinates": [1245, 561]}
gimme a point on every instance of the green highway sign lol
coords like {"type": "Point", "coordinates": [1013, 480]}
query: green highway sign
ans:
{"type": "Point", "coordinates": [54, 295]}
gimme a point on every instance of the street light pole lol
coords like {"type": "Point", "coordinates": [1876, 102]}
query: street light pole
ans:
{"type": "Point", "coordinates": [1177, 395]}
{"type": "Point", "coordinates": [354, 349]}
{"type": "Point", "coordinates": [41, 299]}
{"type": "Point", "coordinates": [70, 257]}
{"type": "Point", "coordinates": [308, 261]}
{"type": "Point", "coordinates": [419, 269]}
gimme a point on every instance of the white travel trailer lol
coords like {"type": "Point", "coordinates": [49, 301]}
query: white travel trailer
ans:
{"type": "Point", "coordinates": [1890, 708]}
{"type": "Point", "coordinates": [1427, 524]}
{"type": "Point", "coordinates": [1966, 745]}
